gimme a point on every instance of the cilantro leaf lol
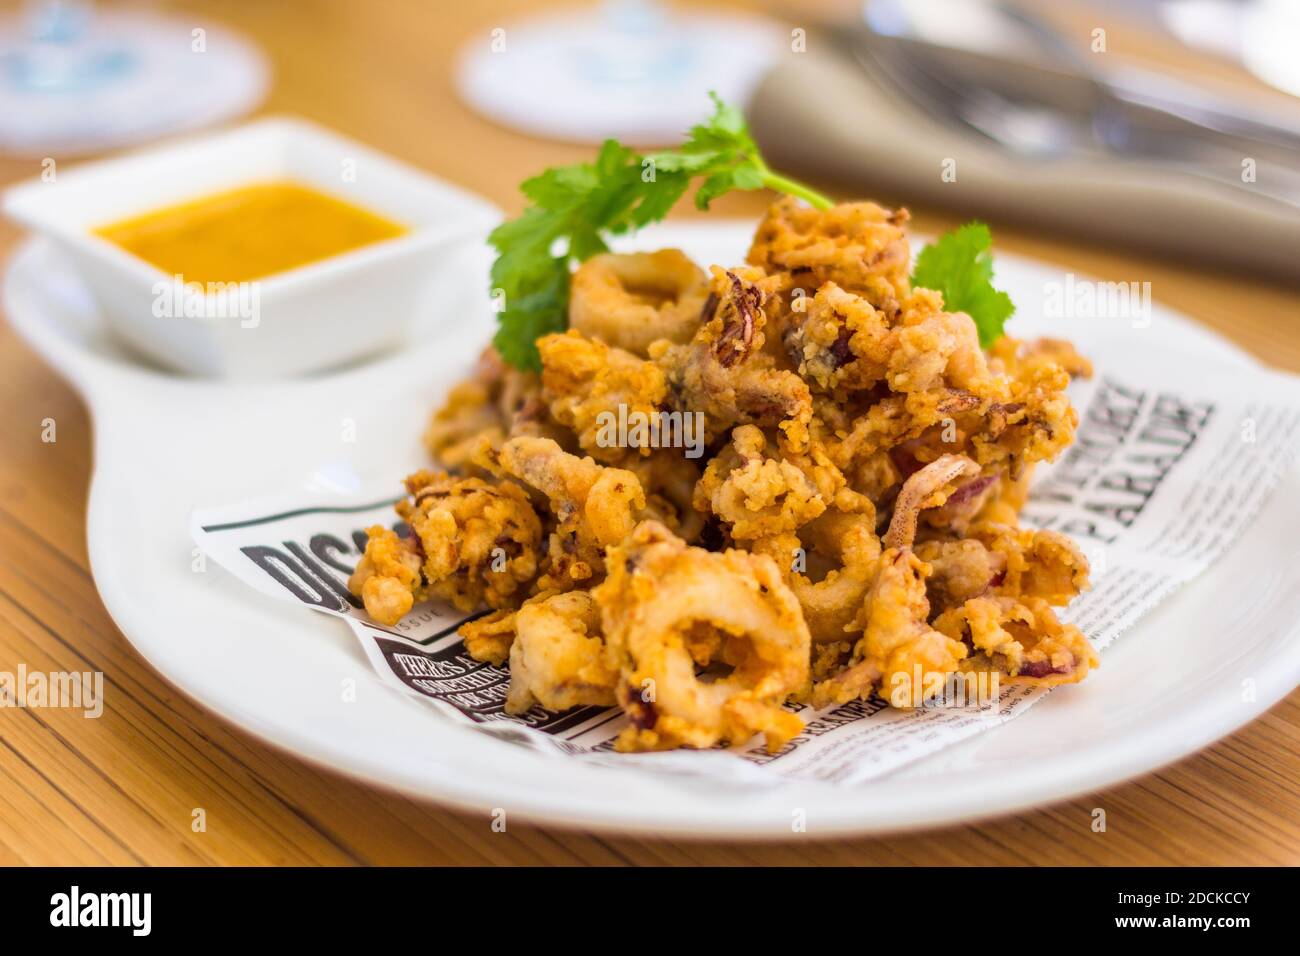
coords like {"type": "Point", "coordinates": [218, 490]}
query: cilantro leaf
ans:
{"type": "Point", "coordinates": [575, 209]}
{"type": "Point", "coordinates": [657, 203]}
{"type": "Point", "coordinates": [539, 311]}
{"type": "Point", "coordinates": [960, 265]}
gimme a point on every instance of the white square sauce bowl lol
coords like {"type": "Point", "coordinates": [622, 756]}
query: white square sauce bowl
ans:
{"type": "Point", "coordinates": [316, 316]}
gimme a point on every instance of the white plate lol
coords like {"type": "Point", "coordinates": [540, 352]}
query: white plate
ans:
{"type": "Point", "coordinates": [165, 445]}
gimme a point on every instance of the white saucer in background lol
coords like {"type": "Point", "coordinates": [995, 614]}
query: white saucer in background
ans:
{"type": "Point", "coordinates": [118, 78]}
{"type": "Point", "coordinates": [632, 72]}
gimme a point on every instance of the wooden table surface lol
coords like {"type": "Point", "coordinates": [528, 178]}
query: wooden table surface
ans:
{"type": "Point", "coordinates": [121, 789]}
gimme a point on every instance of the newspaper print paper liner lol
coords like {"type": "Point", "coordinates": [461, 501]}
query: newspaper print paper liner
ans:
{"type": "Point", "coordinates": [1177, 683]}
{"type": "Point", "coordinates": [1148, 527]}
{"type": "Point", "coordinates": [1166, 471]}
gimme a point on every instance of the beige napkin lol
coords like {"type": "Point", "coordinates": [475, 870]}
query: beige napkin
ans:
{"type": "Point", "coordinates": [823, 115]}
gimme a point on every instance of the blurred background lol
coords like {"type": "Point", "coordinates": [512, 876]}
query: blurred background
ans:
{"type": "Point", "coordinates": [1171, 127]}
{"type": "Point", "coordinates": [1157, 150]}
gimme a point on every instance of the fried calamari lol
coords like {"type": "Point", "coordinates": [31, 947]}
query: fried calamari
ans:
{"type": "Point", "coordinates": [471, 543]}
{"type": "Point", "coordinates": [558, 657]}
{"type": "Point", "coordinates": [670, 611]}
{"type": "Point", "coordinates": [792, 481]}
{"type": "Point", "coordinates": [859, 246]}
{"type": "Point", "coordinates": [586, 383]}
{"type": "Point", "coordinates": [724, 371]}
{"type": "Point", "coordinates": [632, 300]}
{"type": "Point", "coordinates": [591, 507]}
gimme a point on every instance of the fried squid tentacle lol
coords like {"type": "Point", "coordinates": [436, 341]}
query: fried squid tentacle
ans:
{"type": "Point", "coordinates": [899, 652]}
{"type": "Point", "coordinates": [724, 373]}
{"type": "Point", "coordinates": [593, 507]}
{"type": "Point", "coordinates": [927, 488]}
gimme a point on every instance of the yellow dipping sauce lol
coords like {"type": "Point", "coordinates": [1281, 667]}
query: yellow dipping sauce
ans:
{"type": "Point", "coordinates": [248, 233]}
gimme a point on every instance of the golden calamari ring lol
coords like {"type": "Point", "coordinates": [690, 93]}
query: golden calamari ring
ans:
{"type": "Point", "coordinates": [668, 608]}
{"type": "Point", "coordinates": [631, 300]}
{"type": "Point", "coordinates": [831, 603]}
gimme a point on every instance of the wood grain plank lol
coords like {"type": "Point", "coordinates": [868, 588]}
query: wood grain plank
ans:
{"type": "Point", "coordinates": [120, 789]}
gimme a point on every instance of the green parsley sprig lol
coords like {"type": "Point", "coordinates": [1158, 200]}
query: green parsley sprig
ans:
{"type": "Point", "coordinates": [960, 265]}
{"type": "Point", "coordinates": [574, 210]}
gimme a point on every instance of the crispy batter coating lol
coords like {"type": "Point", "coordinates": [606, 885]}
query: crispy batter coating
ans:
{"type": "Point", "coordinates": [558, 658]}
{"type": "Point", "coordinates": [859, 246]}
{"type": "Point", "coordinates": [1038, 563]}
{"type": "Point", "coordinates": [756, 495]}
{"type": "Point", "coordinates": [1016, 357]}
{"type": "Point", "coordinates": [480, 541]}
{"type": "Point", "coordinates": [1021, 638]}
{"type": "Point", "coordinates": [842, 344]}
{"type": "Point", "coordinates": [387, 578]}
{"type": "Point", "coordinates": [899, 652]}
{"type": "Point", "coordinates": [668, 608]}
{"type": "Point", "coordinates": [488, 638]}
{"type": "Point", "coordinates": [846, 525]}
{"type": "Point", "coordinates": [586, 382]}
{"type": "Point", "coordinates": [1031, 421]}
{"type": "Point", "coordinates": [472, 543]}
{"type": "Point", "coordinates": [1035, 424]}
{"type": "Point", "coordinates": [960, 569]}
{"type": "Point", "coordinates": [629, 300]}
{"type": "Point", "coordinates": [593, 507]}
{"type": "Point", "coordinates": [845, 542]}
{"type": "Point", "coordinates": [724, 372]}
